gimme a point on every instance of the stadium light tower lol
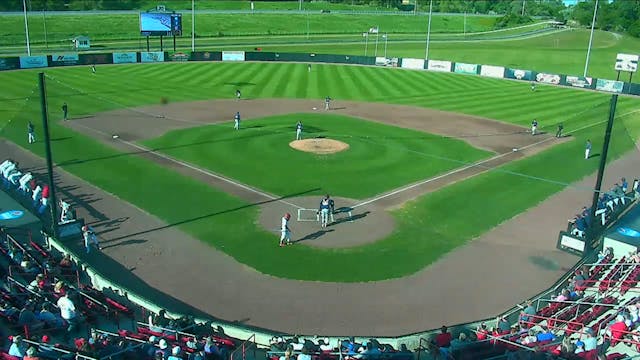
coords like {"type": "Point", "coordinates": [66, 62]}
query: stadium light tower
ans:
{"type": "Point", "coordinates": [426, 54]}
{"type": "Point", "coordinates": [193, 25]}
{"type": "Point", "coordinates": [593, 24]}
{"type": "Point", "coordinates": [26, 26]}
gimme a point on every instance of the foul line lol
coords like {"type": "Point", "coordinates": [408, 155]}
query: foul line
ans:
{"type": "Point", "coordinates": [195, 168]}
{"type": "Point", "coordinates": [479, 164]}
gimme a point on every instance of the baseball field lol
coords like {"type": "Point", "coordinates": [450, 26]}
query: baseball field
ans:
{"type": "Point", "coordinates": [435, 160]}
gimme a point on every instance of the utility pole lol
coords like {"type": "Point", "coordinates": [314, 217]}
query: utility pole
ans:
{"type": "Point", "coordinates": [523, 4]}
{"type": "Point", "coordinates": [193, 25]}
{"type": "Point", "coordinates": [593, 24]}
{"type": "Point", "coordinates": [26, 26]}
{"type": "Point", "coordinates": [426, 54]}
{"type": "Point", "coordinates": [47, 142]}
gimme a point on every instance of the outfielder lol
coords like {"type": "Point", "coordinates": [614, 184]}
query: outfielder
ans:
{"type": "Point", "coordinates": [237, 121]}
{"type": "Point", "coordinates": [65, 111]}
{"type": "Point", "coordinates": [299, 130]}
{"type": "Point", "coordinates": [285, 237]}
{"type": "Point", "coordinates": [534, 126]}
{"type": "Point", "coordinates": [238, 94]}
{"type": "Point", "coordinates": [31, 132]}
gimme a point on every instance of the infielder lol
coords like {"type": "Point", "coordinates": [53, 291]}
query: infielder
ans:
{"type": "Point", "coordinates": [326, 209]}
{"type": "Point", "coordinates": [299, 131]}
{"type": "Point", "coordinates": [534, 126]}
{"type": "Point", "coordinates": [65, 112]}
{"type": "Point", "coordinates": [285, 237]}
{"type": "Point", "coordinates": [236, 119]}
{"type": "Point", "coordinates": [587, 150]}
{"type": "Point", "coordinates": [238, 94]}
{"type": "Point", "coordinates": [90, 238]}
{"type": "Point", "coordinates": [327, 102]}
{"type": "Point", "coordinates": [31, 132]}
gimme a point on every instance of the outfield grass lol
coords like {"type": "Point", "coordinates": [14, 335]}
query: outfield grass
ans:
{"type": "Point", "coordinates": [376, 160]}
{"type": "Point", "coordinates": [62, 28]}
{"type": "Point", "coordinates": [427, 227]}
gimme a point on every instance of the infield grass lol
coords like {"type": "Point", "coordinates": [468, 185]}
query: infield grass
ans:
{"type": "Point", "coordinates": [379, 157]}
{"type": "Point", "coordinates": [427, 227]}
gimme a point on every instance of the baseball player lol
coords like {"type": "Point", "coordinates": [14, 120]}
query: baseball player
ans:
{"type": "Point", "coordinates": [236, 119]}
{"type": "Point", "coordinates": [299, 130]}
{"type": "Point", "coordinates": [65, 111]}
{"type": "Point", "coordinates": [238, 94]}
{"type": "Point", "coordinates": [285, 237]}
{"type": "Point", "coordinates": [559, 132]}
{"type": "Point", "coordinates": [324, 211]}
{"type": "Point", "coordinates": [327, 102]}
{"type": "Point", "coordinates": [31, 132]}
{"type": "Point", "coordinates": [587, 150]}
{"type": "Point", "coordinates": [309, 67]}
{"type": "Point", "coordinates": [90, 238]}
{"type": "Point", "coordinates": [534, 126]}
{"type": "Point", "coordinates": [93, 69]}
{"type": "Point", "coordinates": [533, 86]}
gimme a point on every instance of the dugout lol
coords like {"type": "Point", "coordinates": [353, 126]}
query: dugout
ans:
{"type": "Point", "coordinates": [624, 236]}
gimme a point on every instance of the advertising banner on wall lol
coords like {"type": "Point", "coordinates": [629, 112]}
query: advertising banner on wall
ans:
{"type": "Point", "coordinates": [30, 62]}
{"type": "Point", "coordinates": [206, 56]}
{"type": "Point", "coordinates": [609, 85]}
{"type": "Point", "coordinates": [65, 59]}
{"type": "Point", "coordinates": [627, 62]}
{"type": "Point", "coordinates": [439, 65]}
{"type": "Point", "coordinates": [409, 63]}
{"type": "Point", "coordinates": [492, 71]}
{"type": "Point", "coordinates": [233, 56]}
{"type": "Point", "coordinates": [9, 63]}
{"type": "Point", "coordinates": [519, 74]}
{"type": "Point", "coordinates": [462, 68]}
{"type": "Point", "coordinates": [548, 78]}
{"type": "Point", "coordinates": [180, 56]}
{"type": "Point", "coordinates": [153, 56]}
{"type": "Point", "coordinates": [125, 57]}
{"type": "Point", "coordinates": [579, 81]}
{"type": "Point", "coordinates": [383, 61]}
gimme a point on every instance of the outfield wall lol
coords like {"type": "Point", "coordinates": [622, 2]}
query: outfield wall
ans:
{"type": "Point", "coordinates": [498, 72]}
{"type": "Point", "coordinates": [263, 336]}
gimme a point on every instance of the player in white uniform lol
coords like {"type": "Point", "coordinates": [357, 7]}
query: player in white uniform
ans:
{"type": "Point", "coordinates": [236, 118]}
{"type": "Point", "coordinates": [299, 130]}
{"type": "Point", "coordinates": [285, 237]}
{"type": "Point", "coordinates": [90, 238]}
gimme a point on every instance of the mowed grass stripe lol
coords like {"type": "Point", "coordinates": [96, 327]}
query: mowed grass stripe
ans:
{"type": "Point", "coordinates": [362, 87]}
{"type": "Point", "coordinates": [270, 85]}
{"type": "Point", "coordinates": [391, 82]}
{"type": "Point", "coordinates": [263, 80]}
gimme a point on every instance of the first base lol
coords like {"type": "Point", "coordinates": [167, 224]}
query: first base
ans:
{"type": "Point", "coordinates": [115, 136]}
{"type": "Point", "coordinates": [315, 109]}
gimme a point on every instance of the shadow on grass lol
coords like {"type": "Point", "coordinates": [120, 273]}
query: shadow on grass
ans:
{"type": "Point", "coordinates": [221, 212]}
{"type": "Point", "coordinates": [240, 83]}
{"type": "Point", "coordinates": [314, 236]}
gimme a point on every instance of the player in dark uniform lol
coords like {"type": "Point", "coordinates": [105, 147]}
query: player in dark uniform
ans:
{"type": "Point", "coordinates": [238, 94]}
{"type": "Point", "coordinates": [559, 132]}
{"type": "Point", "coordinates": [65, 110]}
{"type": "Point", "coordinates": [31, 132]}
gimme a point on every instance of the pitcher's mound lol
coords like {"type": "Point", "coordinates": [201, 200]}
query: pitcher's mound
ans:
{"type": "Point", "coordinates": [319, 145]}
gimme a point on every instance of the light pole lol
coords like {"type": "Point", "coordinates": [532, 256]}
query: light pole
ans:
{"type": "Point", "coordinates": [464, 24]}
{"type": "Point", "coordinates": [44, 24]}
{"type": "Point", "coordinates": [300, 6]}
{"type": "Point", "coordinates": [366, 42]}
{"type": "Point", "coordinates": [26, 26]}
{"type": "Point", "coordinates": [386, 38]}
{"type": "Point", "coordinates": [426, 54]}
{"type": "Point", "coordinates": [193, 25]}
{"type": "Point", "coordinates": [593, 24]}
{"type": "Point", "coordinates": [377, 35]}
{"type": "Point", "coordinates": [524, 2]}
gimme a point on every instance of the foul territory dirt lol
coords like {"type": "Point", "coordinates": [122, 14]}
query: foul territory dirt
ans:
{"type": "Point", "coordinates": [479, 280]}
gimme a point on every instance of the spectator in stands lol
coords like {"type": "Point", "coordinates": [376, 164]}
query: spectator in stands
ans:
{"type": "Point", "coordinates": [526, 315]}
{"type": "Point", "coordinates": [579, 347]}
{"type": "Point", "coordinates": [288, 353]}
{"type": "Point", "coordinates": [624, 185]}
{"type": "Point", "coordinates": [460, 342]}
{"type": "Point", "coordinates": [482, 332]}
{"type": "Point", "coordinates": [443, 341]}
{"type": "Point", "coordinates": [158, 322]}
{"type": "Point", "coordinates": [545, 335]}
{"type": "Point", "coordinates": [590, 341]}
{"type": "Point", "coordinates": [58, 289]}
{"type": "Point", "coordinates": [616, 330]}
{"type": "Point", "coordinates": [211, 349]}
{"type": "Point", "coordinates": [529, 338]}
{"type": "Point", "coordinates": [38, 283]}
{"type": "Point", "coordinates": [66, 261]}
{"type": "Point", "coordinates": [18, 347]}
{"type": "Point", "coordinates": [164, 349]}
{"type": "Point", "coordinates": [324, 345]}
{"type": "Point", "coordinates": [567, 346]}
{"type": "Point", "coordinates": [192, 343]}
{"type": "Point", "coordinates": [503, 325]}
{"type": "Point", "coordinates": [175, 353]}
{"type": "Point", "coordinates": [350, 346]}
{"type": "Point", "coordinates": [68, 312]}
{"type": "Point", "coordinates": [564, 295]}
{"type": "Point", "coordinates": [31, 354]}
{"type": "Point", "coordinates": [304, 355]}
{"type": "Point", "coordinates": [48, 317]}
{"type": "Point", "coordinates": [24, 181]}
{"type": "Point", "coordinates": [29, 267]}
{"type": "Point", "coordinates": [28, 318]}
{"type": "Point", "coordinates": [150, 348]}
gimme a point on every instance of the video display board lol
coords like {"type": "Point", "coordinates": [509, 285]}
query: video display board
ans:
{"type": "Point", "coordinates": [160, 24]}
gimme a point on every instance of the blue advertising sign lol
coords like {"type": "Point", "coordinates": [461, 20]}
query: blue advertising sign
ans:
{"type": "Point", "coordinates": [124, 57]}
{"type": "Point", "coordinates": [30, 62]}
{"type": "Point", "coordinates": [65, 59]}
{"type": "Point", "coordinates": [154, 56]}
{"type": "Point", "coordinates": [11, 215]}
{"type": "Point", "coordinates": [628, 232]}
